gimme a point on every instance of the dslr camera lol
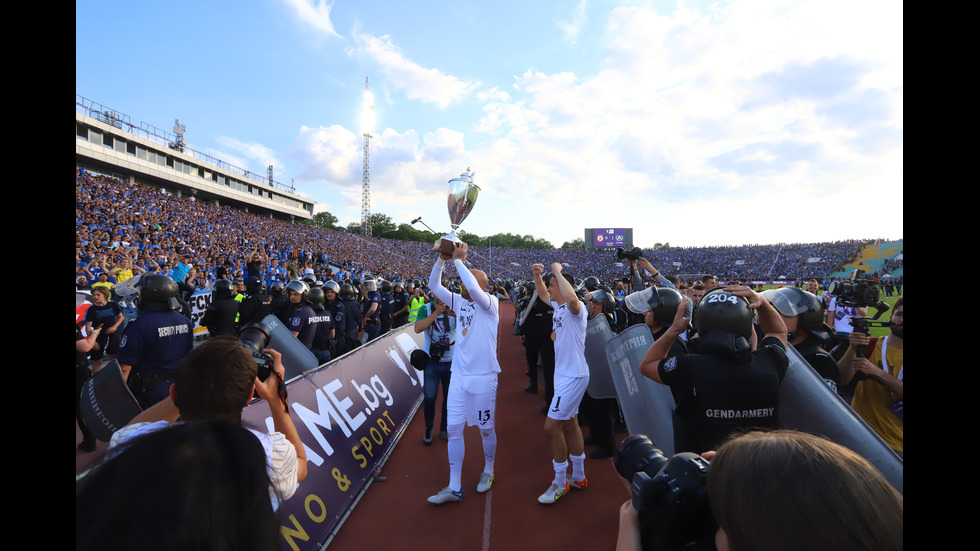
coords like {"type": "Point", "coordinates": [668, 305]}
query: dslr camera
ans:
{"type": "Point", "coordinates": [669, 494]}
{"type": "Point", "coordinates": [436, 350]}
{"type": "Point", "coordinates": [255, 337]}
{"type": "Point", "coordinates": [633, 254]}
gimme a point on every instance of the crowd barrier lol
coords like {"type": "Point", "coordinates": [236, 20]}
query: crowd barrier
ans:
{"type": "Point", "coordinates": [350, 414]}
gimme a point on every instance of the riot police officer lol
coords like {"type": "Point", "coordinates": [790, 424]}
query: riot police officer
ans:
{"type": "Point", "coordinates": [536, 334]}
{"type": "Point", "coordinates": [302, 322]}
{"type": "Point", "coordinates": [338, 313]}
{"type": "Point", "coordinates": [256, 304]}
{"type": "Point", "coordinates": [387, 306]}
{"type": "Point", "coordinates": [726, 387]}
{"type": "Point", "coordinates": [400, 304]}
{"type": "Point", "coordinates": [348, 296]}
{"type": "Point", "coordinates": [323, 338]}
{"type": "Point", "coordinates": [153, 344]}
{"type": "Point", "coordinates": [221, 316]}
{"type": "Point", "coordinates": [370, 308]}
{"type": "Point", "coordinates": [279, 301]}
{"type": "Point", "coordinates": [803, 313]}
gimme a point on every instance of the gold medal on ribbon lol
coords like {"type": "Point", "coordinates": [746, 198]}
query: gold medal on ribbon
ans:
{"type": "Point", "coordinates": [554, 335]}
{"type": "Point", "coordinates": [465, 330]}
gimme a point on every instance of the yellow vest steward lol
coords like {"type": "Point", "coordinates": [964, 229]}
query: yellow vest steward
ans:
{"type": "Point", "coordinates": [413, 310]}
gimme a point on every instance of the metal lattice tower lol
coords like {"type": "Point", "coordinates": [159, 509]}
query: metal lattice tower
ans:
{"type": "Point", "coordinates": [366, 183]}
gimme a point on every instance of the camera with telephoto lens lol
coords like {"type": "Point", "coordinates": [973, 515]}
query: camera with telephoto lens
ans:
{"type": "Point", "coordinates": [630, 254]}
{"type": "Point", "coordinates": [857, 291]}
{"type": "Point", "coordinates": [670, 496]}
{"type": "Point", "coordinates": [255, 337]}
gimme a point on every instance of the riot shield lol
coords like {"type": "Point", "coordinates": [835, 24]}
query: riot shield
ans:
{"type": "Point", "coordinates": [106, 402]}
{"type": "Point", "coordinates": [807, 404]}
{"type": "Point", "coordinates": [597, 335]}
{"type": "Point", "coordinates": [647, 406]}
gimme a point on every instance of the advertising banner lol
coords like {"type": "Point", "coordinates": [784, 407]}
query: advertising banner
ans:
{"type": "Point", "coordinates": [349, 414]}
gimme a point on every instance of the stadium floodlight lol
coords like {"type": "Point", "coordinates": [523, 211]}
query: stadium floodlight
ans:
{"type": "Point", "coordinates": [367, 114]}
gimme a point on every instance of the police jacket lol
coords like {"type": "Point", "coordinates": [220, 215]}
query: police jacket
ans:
{"type": "Point", "coordinates": [719, 394]}
{"type": "Point", "coordinates": [220, 316]}
{"type": "Point", "coordinates": [254, 308]}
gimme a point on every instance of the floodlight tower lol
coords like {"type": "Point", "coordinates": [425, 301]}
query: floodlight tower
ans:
{"type": "Point", "coordinates": [367, 124]}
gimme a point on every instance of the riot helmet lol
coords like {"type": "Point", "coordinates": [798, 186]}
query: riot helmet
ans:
{"type": "Point", "coordinates": [607, 300]}
{"type": "Point", "coordinates": [309, 279]}
{"type": "Point", "coordinates": [347, 291]}
{"type": "Point", "coordinates": [332, 285]}
{"type": "Point", "coordinates": [300, 287]}
{"type": "Point", "coordinates": [369, 284]}
{"type": "Point", "coordinates": [803, 305]}
{"type": "Point", "coordinates": [723, 321]}
{"type": "Point", "coordinates": [318, 299]}
{"type": "Point", "coordinates": [158, 293]}
{"type": "Point", "coordinates": [253, 285]}
{"type": "Point", "coordinates": [276, 288]}
{"type": "Point", "coordinates": [386, 288]}
{"type": "Point", "coordinates": [223, 289]}
{"type": "Point", "coordinates": [590, 283]}
{"type": "Point", "coordinates": [662, 301]}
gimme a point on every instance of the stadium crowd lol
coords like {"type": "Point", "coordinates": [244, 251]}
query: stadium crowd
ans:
{"type": "Point", "coordinates": [124, 230]}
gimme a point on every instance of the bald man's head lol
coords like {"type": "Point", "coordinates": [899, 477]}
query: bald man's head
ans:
{"type": "Point", "coordinates": [481, 278]}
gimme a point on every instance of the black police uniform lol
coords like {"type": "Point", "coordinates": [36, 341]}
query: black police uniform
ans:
{"type": "Point", "coordinates": [820, 360]}
{"type": "Point", "coordinates": [322, 347]}
{"type": "Point", "coordinates": [280, 307]}
{"type": "Point", "coordinates": [536, 329]}
{"type": "Point", "coordinates": [399, 300]}
{"type": "Point", "coordinates": [373, 324]}
{"type": "Point", "coordinates": [718, 394]}
{"type": "Point", "coordinates": [220, 316]}
{"type": "Point", "coordinates": [353, 312]}
{"type": "Point", "coordinates": [338, 314]}
{"type": "Point", "coordinates": [254, 308]}
{"type": "Point", "coordinates": [154, 343]}
{"type": "Point", "coordinates": [386, 307]}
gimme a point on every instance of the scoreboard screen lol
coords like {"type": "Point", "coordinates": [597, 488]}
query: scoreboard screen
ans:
{"type": "Point", "coordinates": [601, 238]}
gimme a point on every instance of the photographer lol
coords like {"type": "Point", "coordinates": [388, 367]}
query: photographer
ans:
{"type": "Point", "coordinates": [727, 386]}
{"type": "Point", "coordinates": [878, 396]}
{"type": "Point", "coordinates": [216, 381]}
{"type": "Point", "coordinates": [438, 323]}
{"type": "Point", "coordinates": [853, 509]}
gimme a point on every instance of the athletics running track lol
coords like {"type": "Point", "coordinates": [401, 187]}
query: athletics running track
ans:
{"type": "Point", "coordinates": [393, 514]}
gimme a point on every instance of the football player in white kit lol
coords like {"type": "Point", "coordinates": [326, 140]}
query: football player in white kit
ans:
{"type": "Point", "coordinates": [571, 380]}
{"type": "Point", "coordinates": [473, 386]}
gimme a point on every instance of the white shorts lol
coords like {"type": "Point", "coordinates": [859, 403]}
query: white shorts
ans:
{"type": "Point", "coordinates": [568, 396]}
{"type": "Point", "coordinates": [472, 400]}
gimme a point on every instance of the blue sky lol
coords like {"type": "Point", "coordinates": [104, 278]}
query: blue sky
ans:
{"type": "Point", "coordinates": [694, 123]}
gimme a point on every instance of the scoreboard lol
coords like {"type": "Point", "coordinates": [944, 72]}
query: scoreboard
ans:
{"type": "Point", "coordinates": [605, 238]}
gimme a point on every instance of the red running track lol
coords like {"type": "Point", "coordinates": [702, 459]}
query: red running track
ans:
{"type": "Point", "coordinates": [394, 514]}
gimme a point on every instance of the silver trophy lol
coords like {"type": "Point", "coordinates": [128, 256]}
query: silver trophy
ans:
{"type": "Point", "coordinates": [462, 198]}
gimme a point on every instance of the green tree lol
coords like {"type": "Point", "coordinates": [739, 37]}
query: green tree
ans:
{"type": "Point", "coordinates": [577, 243]}
{"type": "Point", "coordinates": [323, 220]}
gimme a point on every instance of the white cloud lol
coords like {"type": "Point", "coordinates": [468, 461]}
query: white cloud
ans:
{"type": "Point", "coordinates": [572, 28]}
{"type": "Point", "coordinates": [418, 82]}
{"type": "Point", "coordinates": [315, 13]}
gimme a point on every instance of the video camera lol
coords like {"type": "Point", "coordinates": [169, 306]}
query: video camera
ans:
{"type": "Point", "coordinates": [669, 494]}
{"type": "Point", "coordinates": [858, 291]}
